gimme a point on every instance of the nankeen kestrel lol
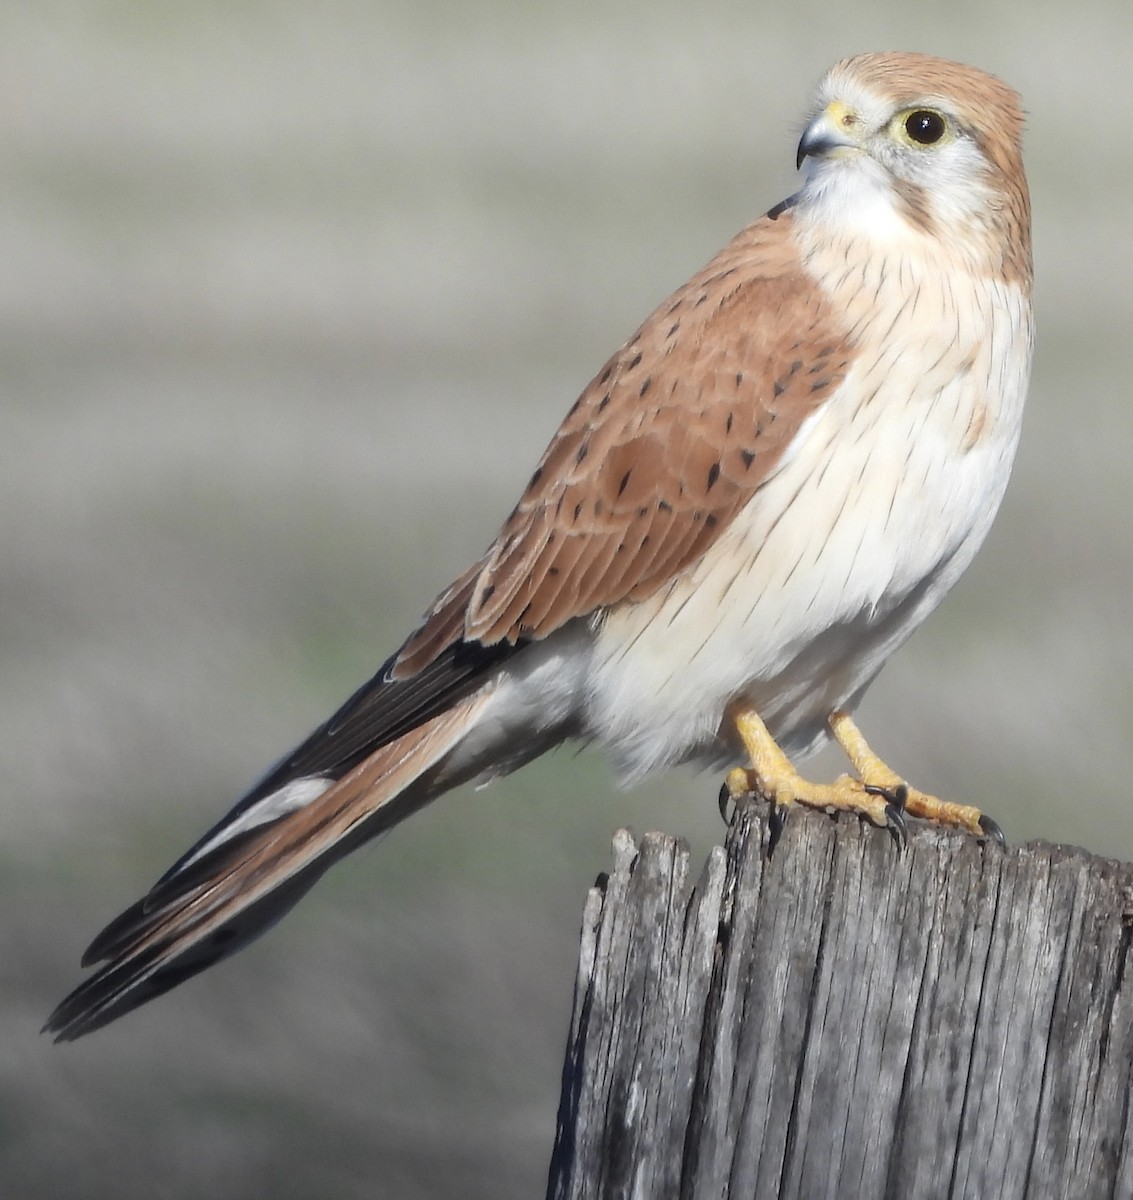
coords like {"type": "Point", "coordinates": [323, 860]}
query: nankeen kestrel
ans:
{"type": "Point", "coordinates": [755, 501]}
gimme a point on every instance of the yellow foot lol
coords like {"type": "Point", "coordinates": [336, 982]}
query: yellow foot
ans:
{"type": "Point", "coordinates": [877, 775]}
{"type": "Point", "coordinates": [878, 794]}
{"type": "Point", "coordinates": [772, 777]}
{"type": "Point", "coordinates": [845, 794]}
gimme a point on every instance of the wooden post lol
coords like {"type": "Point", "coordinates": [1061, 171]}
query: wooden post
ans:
{"type": "Point", "coordinates": [845, 1020]}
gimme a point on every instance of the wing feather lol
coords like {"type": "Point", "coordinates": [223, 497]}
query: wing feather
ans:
{"type": "Point", "coordinates": [672, 438]}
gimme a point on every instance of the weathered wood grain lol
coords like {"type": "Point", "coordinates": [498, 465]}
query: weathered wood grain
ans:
{"type": "Point", "coordinates": [844, 1020]}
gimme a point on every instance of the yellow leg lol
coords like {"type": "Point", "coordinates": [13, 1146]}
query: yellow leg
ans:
{"type": "Point", "coordinates": [773, 777]}
{"type": "Point", "coordinates": [877, 774]}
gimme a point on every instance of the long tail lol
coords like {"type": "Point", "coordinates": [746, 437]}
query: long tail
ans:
{"type": "Point", "coordinates": [245, 876]}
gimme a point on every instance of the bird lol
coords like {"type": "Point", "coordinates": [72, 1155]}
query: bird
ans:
{"type": "Point", "coordinates": [755, 501]}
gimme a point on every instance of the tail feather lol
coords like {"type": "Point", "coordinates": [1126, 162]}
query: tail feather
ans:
{"type": "Point", "coordinates": [235, 890]}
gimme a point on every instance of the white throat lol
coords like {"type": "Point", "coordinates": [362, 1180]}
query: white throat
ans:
{"type": "Point", "coordinates": [856, 197]}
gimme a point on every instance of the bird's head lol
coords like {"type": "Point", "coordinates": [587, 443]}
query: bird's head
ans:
{"type": "Point", "coordinates": [901, 145]}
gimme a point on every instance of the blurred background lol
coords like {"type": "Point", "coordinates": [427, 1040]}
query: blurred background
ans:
{"type": "Point", "coordinates": [291, 299]}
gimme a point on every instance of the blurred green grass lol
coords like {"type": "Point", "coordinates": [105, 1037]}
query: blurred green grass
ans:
{"type": "Point", "coordinates": [292, 299]}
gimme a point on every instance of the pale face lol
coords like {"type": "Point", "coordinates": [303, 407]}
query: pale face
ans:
{"type": "Point", "coordinates": [893, 166]}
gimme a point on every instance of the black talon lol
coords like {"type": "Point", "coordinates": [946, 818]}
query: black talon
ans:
{"type": "Point", "coordinates": [776, 823]}
{"type": "Point", "coordinates": [896, 797]}
{"type": "Point", "coordinates": [722, 800]}
{"type": "Point", "coordinates": [895, 801]}
{"type": "Point", "coordinates": [895, 819]}
{"type": "Point", "coordinates": [991, 829]}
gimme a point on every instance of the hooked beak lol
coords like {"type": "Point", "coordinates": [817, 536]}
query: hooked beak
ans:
{"type": "Point", "coordinates": [830, 134]}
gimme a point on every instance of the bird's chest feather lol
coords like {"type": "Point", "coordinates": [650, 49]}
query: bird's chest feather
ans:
{"type": "Point", "coordinates": [905, 467]}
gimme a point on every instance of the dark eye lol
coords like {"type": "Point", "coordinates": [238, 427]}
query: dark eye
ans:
{"type": "Point", "coordinates": [925, 126]}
